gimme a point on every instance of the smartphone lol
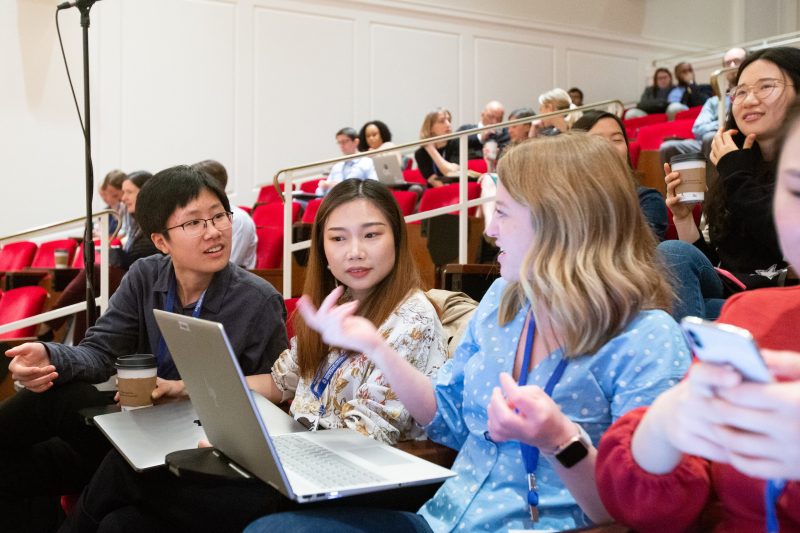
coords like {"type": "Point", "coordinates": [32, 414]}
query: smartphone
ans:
{"type": "Point", "coordinates": [723, 344]}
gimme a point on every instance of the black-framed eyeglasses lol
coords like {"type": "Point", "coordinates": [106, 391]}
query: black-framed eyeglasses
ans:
{"type": "Point", "coordinates": [197, 227]}
{"type": "Point", "coordinates": [763, 89]}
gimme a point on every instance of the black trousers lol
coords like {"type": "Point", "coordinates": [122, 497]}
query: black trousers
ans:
{"type": "Point", "coordinates": [118, 500]}
{"type": "Point", "coordinates": [46, 450]}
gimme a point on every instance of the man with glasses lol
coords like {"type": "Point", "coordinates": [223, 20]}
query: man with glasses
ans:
{"type": "Point", "coordinates": [707, 122]}
{"type": "Point", "coordinates": [46, 448]}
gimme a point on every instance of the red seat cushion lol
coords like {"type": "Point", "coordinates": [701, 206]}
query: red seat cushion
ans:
{"type": "Point", "coordinates": [269, 251]}
{"type": "Point", "coordinates": [413, 175]}
{"type": "Point", "coordinates": [271, 215]}
{"type": "Point", "coordinates": [311, 210]}
{"type": "Point", "coordinates": [17, 255]}
{"type": "Point", "coordinates": [689, 114]}
{"type": "Point", "coordinates": [45, 256]}
{"type": "Point", "coordinates": [20, 303]}
{"type": "Point", "coordinates": [478, 165]}
{"type": "Point", "coordinates": [406, 200]}
{"type": "Point", "coordinates": [651, 137]}
{"type": "Point", "coordinates": [437, 197]}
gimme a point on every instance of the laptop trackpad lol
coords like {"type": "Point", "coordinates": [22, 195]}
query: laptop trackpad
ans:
{"type": "Point", "coordinates": [380, 457]}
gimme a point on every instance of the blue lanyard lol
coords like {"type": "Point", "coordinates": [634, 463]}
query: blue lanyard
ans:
{"type": "Point", "coordinates": [530, 454]}
{"type": "Point", "coordinates": [321, 382]}
{"type": "Point", "coordinates": [772, 491]}
{"type": "Point", "coordinates": [164, 358]}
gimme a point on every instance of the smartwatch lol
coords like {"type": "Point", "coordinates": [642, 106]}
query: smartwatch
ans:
{"type": "Point", "coordinates": [574, 450]}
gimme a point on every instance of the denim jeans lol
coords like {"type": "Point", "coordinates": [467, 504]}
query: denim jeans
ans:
{"type": "Point", "coordinates": [698, 289]}
{"type": "Point", "coordinates": [341, 520]}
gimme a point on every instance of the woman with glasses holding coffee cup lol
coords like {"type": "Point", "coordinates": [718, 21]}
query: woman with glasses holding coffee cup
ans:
{"type": "Point", "coordinates": [743, 244]}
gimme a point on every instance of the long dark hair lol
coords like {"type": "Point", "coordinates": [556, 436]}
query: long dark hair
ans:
{"type": "Point", "coordinates": [390, 292]}
{"type": "Point", "coordinates": [788, 61]}
{"type": "Point", "coordinates": [592, 117]}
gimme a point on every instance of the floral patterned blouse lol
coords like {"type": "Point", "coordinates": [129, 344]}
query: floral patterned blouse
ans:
{"type": "Point", "coordinates": [358, 396]}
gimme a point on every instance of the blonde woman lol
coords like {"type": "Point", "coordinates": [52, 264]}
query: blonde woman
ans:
{"type": "Point", "coordinates": [435, 160]}
{"type": "Point", "coordinates": [577, 312]}
{"type": "Point", "coordinates": [555, 100]}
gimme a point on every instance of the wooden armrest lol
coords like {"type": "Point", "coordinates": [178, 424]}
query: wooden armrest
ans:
{"type": "Point", "coordinates": [430, 451]}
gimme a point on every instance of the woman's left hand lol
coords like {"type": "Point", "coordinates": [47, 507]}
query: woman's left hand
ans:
{"type": "Point", "coordinates": [527, 414]}
{"type": "Point", "coordinates": [760, 423]}
{"type": "Point", "coordinates": [723, 144]}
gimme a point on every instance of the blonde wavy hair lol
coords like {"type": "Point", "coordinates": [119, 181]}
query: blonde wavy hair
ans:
{"type": "Point", "coordinates": [592, 265]}
{"type": "Point", "coordinates": [426, 130]}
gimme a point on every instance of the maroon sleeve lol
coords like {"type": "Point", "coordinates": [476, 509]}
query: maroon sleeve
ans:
{"type": "Point", "coordinates": [644, 501]}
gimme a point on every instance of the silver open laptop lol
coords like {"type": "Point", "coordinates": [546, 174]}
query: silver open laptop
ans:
{"type": "Point", "coordinates": [387, 167]}
{"type": "Point", "coordinates": [304, 466]}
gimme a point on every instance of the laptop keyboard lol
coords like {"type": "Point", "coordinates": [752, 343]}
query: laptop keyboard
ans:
{"type": "Point", "coordinates": [320, 465]}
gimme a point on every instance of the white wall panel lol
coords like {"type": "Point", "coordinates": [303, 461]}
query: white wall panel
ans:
{"type": "Point", "coordinates": [304, 83]}
{"type": "Point", "coordinates": [177, 83]}
{"type": "Point", "coordinates": [603, 76]}
{"type": "Point", "coordinates": [515, 73]}
{"type": "Point", "coordinates": [413, 71]}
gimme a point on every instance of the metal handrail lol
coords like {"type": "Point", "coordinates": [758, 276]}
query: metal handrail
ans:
{"type": "Point", "coordinates": [105, 239]}
{"type": "Point", "coordinates": [462, 206]}
{"type": "Point", "coordinates": [783, 39]}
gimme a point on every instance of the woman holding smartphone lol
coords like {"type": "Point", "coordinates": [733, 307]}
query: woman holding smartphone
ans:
{"type": "Point", "coordinates": [698, 458]}
{"type": "Point", "coordinates": [557, 349]}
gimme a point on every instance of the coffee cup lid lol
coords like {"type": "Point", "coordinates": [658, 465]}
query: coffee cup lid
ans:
{"type": "Point", "coordinates": [136, 361]}
{"type": "Point", "coordinates": [683, 158]}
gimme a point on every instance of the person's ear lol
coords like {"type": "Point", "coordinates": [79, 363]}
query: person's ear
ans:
{"type": "Point", "coordinates": [160, 242]}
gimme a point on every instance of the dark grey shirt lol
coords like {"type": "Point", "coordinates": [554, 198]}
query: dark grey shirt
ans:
{"type": "Point", "coordinates": [251, 310]}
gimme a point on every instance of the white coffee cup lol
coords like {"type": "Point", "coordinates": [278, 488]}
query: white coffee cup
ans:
{"type": "Point", "coordinates": [136, 379]}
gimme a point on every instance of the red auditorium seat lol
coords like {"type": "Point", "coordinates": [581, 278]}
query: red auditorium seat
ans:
{"type": "Point", "coordinates": [268, 195]}
{"type": "Point", "coordinates": [478, 165]}
{"type": "Point", "coordinates": [17, 255]}
{"type": "Point", "coordinates": [689, 114]}
{"type": "Point", "coordinates": [651, 137]}
{"type": "Point", "coordinates": [291, 305]}
{"type": "Point", "coordinates": [269, 251]}
{"type": "Point", "coordinates": [634, 149]}
{"type": "Point", "coordinates": [271, 215]}
{"type": "Point", "coordinates": [672, 233]}
{"type": "Point", "coordinates": [436, 197]}
{"type": "Point", "coordinates": [45, 258]}
{"type": "Point", "coordinates": [310, 186]}
{"type": "Point", "coordinates": [413, 175]}
{"type": "Point", "coordinates": [311, 211]}
{"type": "Point", "coordinates": [78, 261]}
{"type": "Point", "coordinates": [20, 303]}
{"type": "Point", "coordinates": [406, 200]}
{"type": "Point", "coordinates": [632, 125]}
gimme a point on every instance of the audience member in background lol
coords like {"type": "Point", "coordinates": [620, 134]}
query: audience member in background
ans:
{"type": "Point", "coordinates": [654, 98]}
{"type": "Point", "coordinates": [244, 239]}
{"type": "Point", "coordinates": [374, 135]}
{"type": "Point", "coordinates": [359, 245]}
{"type": "Point", "coordinates": [492, 114]}
{"type": "Point", "coordinates": [576, 95]}
{"type": "Point", "coordinates": [687, 93]}
{"type": "Point", "coordinates": [435, 160]}
{"type": "Point", "coordinates": [609, 126]}
{"type": "Point", "coordinates": [742, 233]}
{"type": "Point", "coordinates": [358, 168]}
{"type": "Point", "coordinates": [698, 458]}
{"type": "Point", "coordinates": [549, 102]}
{"type": "Point", "coordinates": [136, 246]}
{"type": "Point", "coordinates": [46, 447]}
{"type": "Point", "coordinates": [516, 134]}
{"type": "Point", "coordinates": [110, 192]}
{"type": "Point", "coordinates": [579, 295]}
{"type": "Point", "coordinates": [707, 122]}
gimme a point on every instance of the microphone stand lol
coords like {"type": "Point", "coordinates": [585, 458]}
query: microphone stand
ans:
{"type": "Point", "coordinates": [84, 7]}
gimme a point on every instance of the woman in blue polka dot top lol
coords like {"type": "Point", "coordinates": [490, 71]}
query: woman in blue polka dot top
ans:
{"type": "Point", "coordinates": [579, 314]}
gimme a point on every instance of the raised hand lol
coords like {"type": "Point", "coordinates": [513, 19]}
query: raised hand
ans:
{"type": "Point", "coordinates": [31, 366]}
{"type": "Point", "coordinates": [338, 325]}
{"type": "Point", "coordinates": [723, 144]}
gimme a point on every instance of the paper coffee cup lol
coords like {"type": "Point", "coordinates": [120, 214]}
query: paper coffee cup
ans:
{"type": "Point", "coordinates": [693, 177]}
{"type": "Point", "coordinates": [136, 379]}
{"type": "Point", "coordinates": [61, 258]}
